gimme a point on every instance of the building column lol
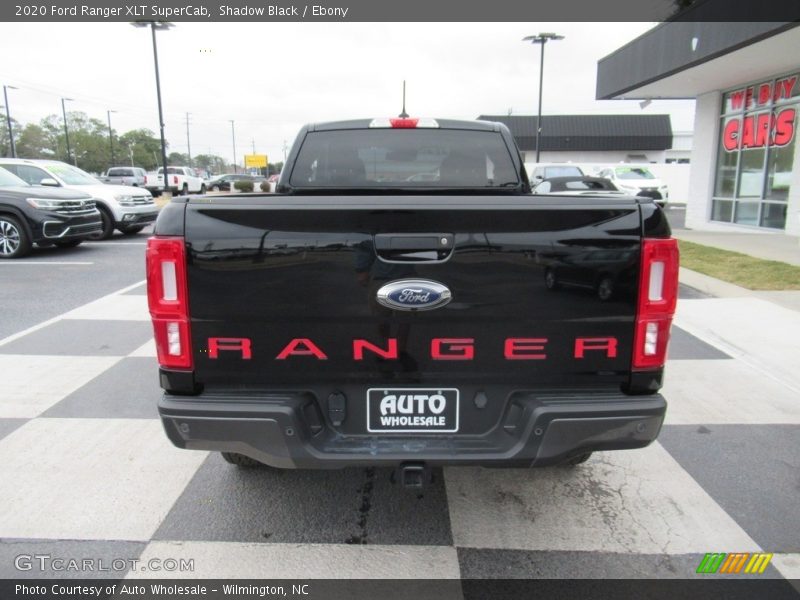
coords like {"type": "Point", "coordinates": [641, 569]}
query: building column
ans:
{"type": "Point", "coordinates": [704, 160]}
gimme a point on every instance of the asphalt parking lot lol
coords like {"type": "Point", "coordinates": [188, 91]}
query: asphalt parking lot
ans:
{"type": "Point", "coordinates": [86, 470]}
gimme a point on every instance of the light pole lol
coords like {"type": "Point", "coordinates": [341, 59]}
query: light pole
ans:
{"type": "Point", "coordinates": [8, 120]}
{"type": "Point", "coordinates": [66, 130]}
{"type": "Point", "coordinates": [111, 136]}
{"type": "Point", "coordinates": [163, 26]}
{"type": "Point", "coordinates": [188, 143]}
{"type": "Point", "coordinates": [542, 39]}
{"type": "Point", "coordinates": [233, 136]}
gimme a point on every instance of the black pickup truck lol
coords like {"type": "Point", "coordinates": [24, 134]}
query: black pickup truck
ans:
{"type": "Point", "coordinates": [404, 300]}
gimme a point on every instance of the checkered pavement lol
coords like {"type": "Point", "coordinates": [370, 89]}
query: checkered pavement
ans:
{"type": "Point", "coordinates": [86, 471]}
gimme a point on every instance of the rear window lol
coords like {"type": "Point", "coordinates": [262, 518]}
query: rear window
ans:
{"type": "Point", "coordinates": [425, 158]}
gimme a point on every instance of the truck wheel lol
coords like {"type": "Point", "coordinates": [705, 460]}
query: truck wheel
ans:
{"type": "Point", "coordinates": [185, 190]}
{"type": "Point", "coordinates": [107, 229]}
{"type": "Point", "coordinates": [14, 240]}
{"type": "Point", "coordinates": [578, 459]}
{"type": "Point", "coordinates": [240, 460]}
{"type": "Point", "coordinates": [214, 188]}
{"type": "Point", "coordinates": [605, 289]}
{"type": "Point", "coordinates": [203, 188]}
{"type": "Point", "coordinates": [550, 279]}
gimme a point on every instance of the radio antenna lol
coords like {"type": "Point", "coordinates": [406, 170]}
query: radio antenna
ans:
{"type": "Point", "coordinates": [404, 114]}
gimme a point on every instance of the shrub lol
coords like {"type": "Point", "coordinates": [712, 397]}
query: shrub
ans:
{"type": "Point", "coordinates": [243, 186]}
{"type": "Point", "coordinates": [265, 187]}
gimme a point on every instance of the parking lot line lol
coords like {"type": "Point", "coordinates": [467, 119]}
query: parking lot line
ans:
{"type": "Point", "coordinates": [43, 324]}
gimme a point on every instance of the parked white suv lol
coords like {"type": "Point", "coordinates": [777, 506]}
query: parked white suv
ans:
{"type": "Point", "coordinates": [637, 181]}
{"type": "Point", "coordinates": [180, 180]}
{"type": "Point", "coordinates": [126, 208]}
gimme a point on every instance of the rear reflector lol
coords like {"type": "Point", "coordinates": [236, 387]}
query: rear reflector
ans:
{"type": "Point", "coordinates": [404, 123]}
{"type": "Point", "coordinates": [658, 295]}
{"type": "Point", "coordinates": [168, 299]}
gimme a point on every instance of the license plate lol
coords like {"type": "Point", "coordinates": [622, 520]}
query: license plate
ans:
{"type": "Point", "coordinates": [412, 410]}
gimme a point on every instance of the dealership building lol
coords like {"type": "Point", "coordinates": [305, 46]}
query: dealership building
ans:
{"type": "Point", "coordinates": [745, 78]}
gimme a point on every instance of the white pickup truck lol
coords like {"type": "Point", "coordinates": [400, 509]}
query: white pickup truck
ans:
{"type": "Point", "coordinates": [181, 181]}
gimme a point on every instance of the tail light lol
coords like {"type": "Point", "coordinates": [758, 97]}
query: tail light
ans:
{"type": "Point", "coordinates": [168, 299]}
{"type": "Point", "coordinates": [658, 295]}
{"type": "Point", "coordinates": [175, 179]}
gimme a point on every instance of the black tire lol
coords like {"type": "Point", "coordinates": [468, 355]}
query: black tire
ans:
{"type": "Point", "coordinates": [578, 459]}
{"type": "Point", "coordinates": [14, 239]}
{"type": "Point", "coordinates": [551, 279]}
{"type": "Point", "coordinates": [107, 229]}
{"type": "Point", "coordinates": [605, 289]}
{"type": "Point", "coordinates": [132, 230]}
{"type": "Point", "coordinates": [214, 188]}
{"type": "Point", "coordinates": [184, 190]}
{"type": "Point", "coordinates": [69, 243]}
{"type": "Point", "coordinates": [240, 460]}
{"type": "Point", "coordinates": [203, 188]}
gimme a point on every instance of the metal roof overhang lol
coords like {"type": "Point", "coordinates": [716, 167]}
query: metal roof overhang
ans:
{"type": "Point", "coordinates": [666, 62]}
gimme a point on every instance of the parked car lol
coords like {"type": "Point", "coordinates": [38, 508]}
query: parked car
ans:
{"type": "Point", "coordinates": [44, 216]}
{"type": "Point", "coordinates": [223, 183]}
{"type": "Point", "coordinates": [582, 186]}
{"type": "Point", "coordinates": [180, 180]}
{"type": "Point", "coordinates": [123, 207]}
{"type": "Point", "coordinates": [637, 181]}
{"type": "Point", "coordinates": [133, 176]}
{"type": "Point", "coordinates": [543, 171]}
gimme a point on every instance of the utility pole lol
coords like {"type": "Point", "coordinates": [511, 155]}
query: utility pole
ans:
{"type": "Point", "coordinates": [542, 39]}
{"type": "Point", "coordinates": [111, 136]}
{"type": "Point", "coordinates": [8, 120]}
{"type": "Point", "coordinates": [66, 130]}
{"type": "Point", "coordinates": [188, 143]}
{"type": "Point", "coordinates": [285, 148]}
{"type": "Point", "coordinates": [233, 137]}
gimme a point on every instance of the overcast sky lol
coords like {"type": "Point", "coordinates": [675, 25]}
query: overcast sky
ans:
{"type": "Point", "coordinates": [271, 78]}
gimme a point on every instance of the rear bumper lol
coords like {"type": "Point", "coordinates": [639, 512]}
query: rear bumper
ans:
{"type": "Point", "coordinates": [288, 430]}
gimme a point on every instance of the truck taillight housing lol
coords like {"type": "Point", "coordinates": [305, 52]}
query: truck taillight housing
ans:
{"type": "Point", "coordinates": [175, 179]}
{"type": "Point", "coordinates": [658, 295]}
{"type": "Point", "coordinates": [168, 299]}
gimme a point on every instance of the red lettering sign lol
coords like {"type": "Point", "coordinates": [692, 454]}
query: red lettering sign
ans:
{"type": "Point", "coordinates": [759, 131]}
{"type": "Point", "coordinates": [524, 349]}
{"type": "Point", "coordinates": [452, 348]}
{"type": "Point", "coordinates": [242, 345]}
{"type": "Point", "coordinates": [607, 344]}
{"type": "Point", "coordinates": [301, 347]}
{"type": "Point", "coordinates": [360, 345]}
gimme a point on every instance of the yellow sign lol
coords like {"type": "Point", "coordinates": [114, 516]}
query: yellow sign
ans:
{"type": "Point", "coordinates": [255, 160]}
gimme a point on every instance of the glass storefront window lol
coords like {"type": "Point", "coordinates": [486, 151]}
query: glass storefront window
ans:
{"type": "Point", "coordinates": [751, 173]}
{"type": "Point", "coordinates": [756, 152]}
{"type": "Point", "coordinates": [773, 215]}
{"type": "Point", "coordinates": [779, 169]}
{"type": "Point", "coordinates": [722, 210]}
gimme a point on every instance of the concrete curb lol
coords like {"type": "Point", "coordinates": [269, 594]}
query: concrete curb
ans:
{"type": "Point", "coordinates": [711, 285]}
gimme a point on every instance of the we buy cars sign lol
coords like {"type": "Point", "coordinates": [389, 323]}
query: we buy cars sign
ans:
{"type": "Point", "coordinates": [758, 130]}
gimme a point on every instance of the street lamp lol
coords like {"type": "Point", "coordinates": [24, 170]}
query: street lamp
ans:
{"type": "Point", "coordinates": [233, 136]}
{"type": "Point", "coordinates": [8, 120]}
{"type": "Point", "coordinates": [542, 39]}
{"type": "Point", "coordinates": [111, 136]}
{"type": "Point", "coordinates": [66, 130]}
{"type": "Point", "coordinates": [163, 26]}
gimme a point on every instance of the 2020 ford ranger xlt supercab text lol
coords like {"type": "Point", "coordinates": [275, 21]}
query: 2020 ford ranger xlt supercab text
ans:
{"type": "Point", "coordinates": [403, 300]}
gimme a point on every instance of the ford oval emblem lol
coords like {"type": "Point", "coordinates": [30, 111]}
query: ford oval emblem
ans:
{"type": "Point", "coordinates": [413, 294]}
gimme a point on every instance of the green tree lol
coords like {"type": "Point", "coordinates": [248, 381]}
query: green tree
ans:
{"type": "Point", "coordinates": [178, 159]}
{"type": "Point", "coordinates": [210, 162]}
{"type": "Point", "coordinates": [36, 142]}
{"type": "Point", "coordinates": [5, 142]}
{"type": "Point", "coordinates": [143, 146]}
